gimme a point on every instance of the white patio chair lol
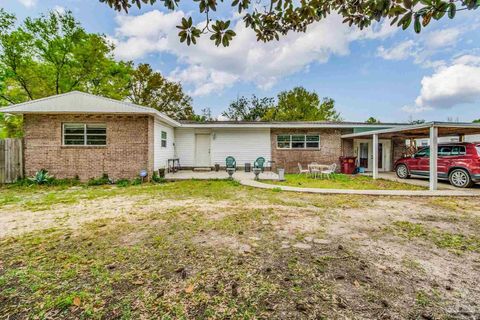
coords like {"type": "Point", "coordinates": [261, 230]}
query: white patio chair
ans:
{"type": "Point", "coordinates": [301, 170]}
{"type": "Point", "coordinates": [330, 171]}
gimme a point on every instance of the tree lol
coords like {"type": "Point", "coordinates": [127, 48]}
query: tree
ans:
{"type": "Point", "coordinates": [420, 121]}
{"type": "Point", "coordinates": [299, 104]}
{"type": "Point", "coordinates": [205, 115]}
{"type": "Point", "coordinates": [372, 120]}
{"type": "Point", "coordinates": [278, 17]}
{"type": "Point", "coordinates": [244, 109]}
{"type": "Point", "coordinates": [150, 88]}
{"type": "Point", "coordinates": [53, 54]}
{"type": "Point", "coordinates": [476, 121]}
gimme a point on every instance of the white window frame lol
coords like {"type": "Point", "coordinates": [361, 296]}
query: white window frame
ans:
{"type": "Point", "coordinates": [290, 147]}
{"type": "Point", "coordinates": [85, 135]}
{"type": "Point", "coordinates": [163, 139]}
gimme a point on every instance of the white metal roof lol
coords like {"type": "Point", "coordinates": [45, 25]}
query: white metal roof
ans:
{"type": "Point", "coordinates": [80, 102]}
{"type": "Point", "coordinates": [422, 126]}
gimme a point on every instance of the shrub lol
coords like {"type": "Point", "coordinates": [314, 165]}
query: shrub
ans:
{"type": "Point", "coordinates": [136, 181]}
{"type": "Point", "coordinates": [64, 182]}
{"type": "Point", "coordinates": [41, 177]}
{"type": "Point", "coordinates": [156, 178]}
{"type": "Point", "coordinates": [99, 181]}
{"type": "Point", "coordinates": [122, 182]}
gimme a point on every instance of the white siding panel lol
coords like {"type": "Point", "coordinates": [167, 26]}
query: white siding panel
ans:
{"type": "Point", "coordinates": [245, 145]}
{"type": "Point", "coordinates": [185, 146]}
{"type": "Point", "coordinates": [162, 154]}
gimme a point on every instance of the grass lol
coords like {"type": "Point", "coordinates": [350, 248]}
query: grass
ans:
{"type": "Point", "coordinates": [342, 181]}
{"type": "Point", "coordinates": [174, 251]}
{"type": "Point", "coordinates": [442, 239]}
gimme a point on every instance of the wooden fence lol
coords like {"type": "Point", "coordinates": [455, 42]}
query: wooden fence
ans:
{"type": "Point", "coordinates": [11, 160]}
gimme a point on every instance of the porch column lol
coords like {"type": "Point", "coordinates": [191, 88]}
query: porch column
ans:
{"type": "Point", "coordinates": [375, 156]}
{"type": "Point", "coordinates": [433, 157]}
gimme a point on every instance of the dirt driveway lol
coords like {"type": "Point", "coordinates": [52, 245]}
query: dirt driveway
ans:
{"type": "Point", "coordinates": [199, 249]}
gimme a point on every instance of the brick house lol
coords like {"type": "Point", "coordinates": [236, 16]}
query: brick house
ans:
{"type": "Point", "coordinates": [79, 134]}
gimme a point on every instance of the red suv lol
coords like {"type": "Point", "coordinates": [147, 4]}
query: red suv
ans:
{"type": "Point", "coordinates": [457, 162]}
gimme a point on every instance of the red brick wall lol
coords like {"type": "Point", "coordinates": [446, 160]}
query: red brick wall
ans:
{"type": "Point", "coordinates": [331, 149]}
{"type": "Point", "coordinates": [129, 147]}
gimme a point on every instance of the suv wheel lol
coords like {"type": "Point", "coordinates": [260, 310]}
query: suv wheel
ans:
{"type": "Point", "coordinates": [402, 171]}
{"type": "Point", "coordinates": [460, 178]}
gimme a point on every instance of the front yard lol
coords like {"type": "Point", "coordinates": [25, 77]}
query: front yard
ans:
{"type": "Point", "coordinates": [343, 181]}
{"type": "Point", "coordinates": [200, 249]}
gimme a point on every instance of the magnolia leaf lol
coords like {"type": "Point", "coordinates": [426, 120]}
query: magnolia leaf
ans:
{"type": "Point", "coordinates": [426, 20]}
{"type": "Point", "coordinates": [189, 289]}
{"type": "Point", "coordinates": [77, 302]}
{"type": "Point", "coordinates": [452, 10]}
{"type": "Point", "coordinates": [417, 26]}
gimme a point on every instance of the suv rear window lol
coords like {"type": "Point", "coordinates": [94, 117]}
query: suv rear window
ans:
{"type": "Point", "coordinates": [458, 150]}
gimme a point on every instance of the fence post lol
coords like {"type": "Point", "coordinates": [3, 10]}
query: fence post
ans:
{"type": "Point", "coordinates": [11, 160]}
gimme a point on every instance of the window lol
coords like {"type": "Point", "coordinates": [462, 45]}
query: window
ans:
{"type": "Point", "coordinates": [283, 142]}
{"type": "Point", "coordinates": [84, 134]}
{"type": "Point", "coordinates": [164, 139]}
{"type": "Point", "coordinates": [425, 152]}
{"type": "Point", "coordinates": [458, 151]}
{"type": "Point", "coordinates": [298, 141]}
{"type": "Point", "coordinates": [478, 149]}
{"type": "Point", "coordinates": [444, 151]}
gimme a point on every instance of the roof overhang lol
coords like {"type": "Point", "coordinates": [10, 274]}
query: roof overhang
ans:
{"type": "Point", "coordinates": [289, 125]}
{"type": "Point", "coordinates": [420, 130]}
{"type": "Point", "coordinates": [76, 102]}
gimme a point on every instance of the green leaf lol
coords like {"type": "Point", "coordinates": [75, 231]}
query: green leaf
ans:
{"type": "Point", "coordinates": [405, 21]}
{"type": "Point", "coordinates": [452, 10]}
{"type": "Point", "coordinates": [417, 26]}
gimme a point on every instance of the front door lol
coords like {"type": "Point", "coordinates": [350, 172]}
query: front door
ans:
{"type": "Point", "coordinates": [364, 154]}
{"type": "Point", "coordinates": [202, 150]}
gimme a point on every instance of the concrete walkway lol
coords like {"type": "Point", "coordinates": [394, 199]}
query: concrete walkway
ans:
{"type": "Point", "coordinates": [419, 193]}
{"type": "Point", "coordinates": [247, 179]}
{"type": "Point", "coordinates": [416, 180]}
{"type": "Point", "coordinates": [220, 175]}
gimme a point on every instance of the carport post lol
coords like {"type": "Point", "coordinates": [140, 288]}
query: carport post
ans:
{"type": "Point", "coordinates": [375, 156]}
{"type": "Point", "coordinates": [433, 157]}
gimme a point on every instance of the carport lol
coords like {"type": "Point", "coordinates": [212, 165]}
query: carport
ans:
{"type": "Point", "coordinates": [431, 130]}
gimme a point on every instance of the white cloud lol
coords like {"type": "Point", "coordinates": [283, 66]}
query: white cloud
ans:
{"type": "Point", "coordinates": [401, 51]}
{"type": "Point", "coordinates": [28, 3]}
{"type": "Point", "coordinates": [442, 38]}
{"type": "Point", "coordinates": [423, 48]}
{"type": "Point", "coordinates": [449, 86]}
{"type": "Point", "coordinates": [59, 9]}
{"type": "Point", "coordinates": [209, 68]}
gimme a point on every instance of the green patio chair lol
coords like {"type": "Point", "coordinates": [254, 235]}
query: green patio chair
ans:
{"type": "Point", "coordinates": [230, 163]}
{"type": "Point", "coordinates": [259, 163]}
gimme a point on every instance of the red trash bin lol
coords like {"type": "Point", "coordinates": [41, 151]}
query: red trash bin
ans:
{"type": "Point", "coordinates": [347, 165]}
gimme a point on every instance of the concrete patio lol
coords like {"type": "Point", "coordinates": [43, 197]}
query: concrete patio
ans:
{"type": "Point", "coordinates": [222, 174]}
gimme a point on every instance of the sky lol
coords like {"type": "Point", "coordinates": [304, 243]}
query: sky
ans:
{"type": "Point", "coordinates": [384, 72]}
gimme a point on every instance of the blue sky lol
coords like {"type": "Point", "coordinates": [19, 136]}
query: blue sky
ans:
{"type": "Point", "coordinates": [383, 72]}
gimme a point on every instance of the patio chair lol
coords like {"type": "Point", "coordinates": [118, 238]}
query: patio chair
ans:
{"type": "Point", "coordinates": [259, 163]}
{"type": "Point", "coordinates": [330, 171]}
{"type": "Point", "coordinates": [301, 170]}
{"type": "Point", "coordinates": [230, 163]}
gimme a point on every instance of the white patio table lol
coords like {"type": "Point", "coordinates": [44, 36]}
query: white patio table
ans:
{"type": "Point", "coordinates": [316, 168]}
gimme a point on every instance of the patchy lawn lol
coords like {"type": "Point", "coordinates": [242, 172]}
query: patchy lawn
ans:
{"type": "Point", "coordinates": [198, 249]}
{"type": "Point", "coordinates": [343, 181]}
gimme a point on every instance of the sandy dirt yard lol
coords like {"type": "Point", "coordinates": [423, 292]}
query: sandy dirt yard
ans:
{"type": "Point", "coordinates": [217, 250]}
